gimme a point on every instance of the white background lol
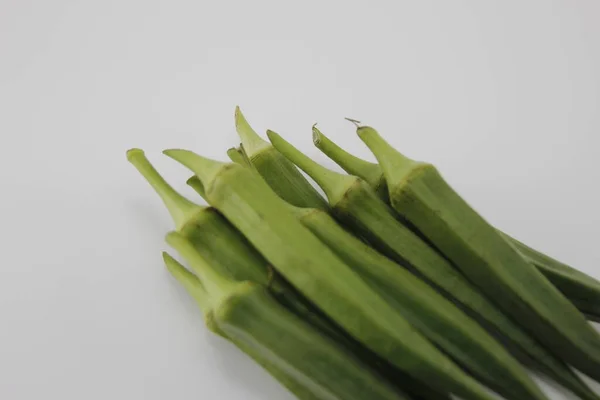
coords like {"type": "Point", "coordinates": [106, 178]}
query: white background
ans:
{"type": "Point", "coordinates": [503, 96]}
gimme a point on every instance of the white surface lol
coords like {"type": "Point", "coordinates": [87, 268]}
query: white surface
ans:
{"type": "Point", "coordinates": [503, 97]}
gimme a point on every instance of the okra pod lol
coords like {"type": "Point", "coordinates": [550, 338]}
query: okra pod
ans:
{"type": "Point", "coordinates": [313, 269]}
{"type": "Point", "coordinates": [432, 314]}
{"type": "Point", "coordinates": [193, 286]}
{"type": "Point", "coordinates": [309, 364]}
{"type": "Point", "coordinates": [517, 341]}
{"type": "Point", "coordinates": [230, 254]}
{"type": "Point", "coordinates": [582, 289]}
{"type": "Point", "coordinates": [205, 227]}
{"type": "Point", "coordinates": [420, 194]}
{"type": "Point", "coordinates": [296, 189]}
{"type": "Point", "coordinates": [355, 203]}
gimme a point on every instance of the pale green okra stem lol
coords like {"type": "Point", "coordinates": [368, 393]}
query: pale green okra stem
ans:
{"type": "Point", "coordinates": [189, 281]}
{"type": "Point", "coordinates": [198, 187]}
{"type": "Point", "coordinates": [368, 171]}
{"type": "Point", "coordinates": [284, 179]}
{"type": "Point", "coordinates": [180, 208]}
{"type": "Point", "coordinates": [236, 156]}
{"type": "Point", "coordinates": [216, 285]}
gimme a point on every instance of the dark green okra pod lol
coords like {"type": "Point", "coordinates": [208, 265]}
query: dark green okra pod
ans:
{"type": "Point", "coordinates": [420, 195]}
{"type": "Point", "coordinates": [256, 211]}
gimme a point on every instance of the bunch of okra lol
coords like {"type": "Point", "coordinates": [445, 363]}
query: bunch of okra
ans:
{"type": "Point", "coordinates": [392, 288]}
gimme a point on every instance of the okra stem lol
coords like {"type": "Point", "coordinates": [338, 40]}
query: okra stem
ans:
{"type": "Point", "coordinates": [353, 165]}
{"type": "Point", "coordinates": [290, 185]}
{"type": "Point", "coordinates": [216, 285]}
{"type": "Point", "coordinates": [252, 143]}
{"type": "Point", "coordinates": [198, 187]}
{"type": "Point", "coordinates": [333, 183]}
{"type": "Point", "coordinates": [179, 207]}
{"type": "Point", "coordinates": [236, 156]}
{"type": "Point", "coordinates": [189, 281]}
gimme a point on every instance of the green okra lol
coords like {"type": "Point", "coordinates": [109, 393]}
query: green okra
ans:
{"type": "Point", "coordinates": [355, 203]}
{"type": "Point", "coordinates": [582, 289]}
{"type": "Point", "coordinates": [308, 363]}
{"type": "Point", "coordinates": [432, 314]}
{"type": "Point", "coordinates": [224, 247]}
{"type": "Point", "coordinates": [520, 343]}
{"type": "Point", "coordinates": [230, 254]}
{"type": "Point", "coordinates": [368, 171]}
{"type": "Point", "coordinates": [205, 227]}
{"type": "Point", "coordinates": [411, 386]}
{"type": "Point", "coordinates": [195, 288]}
{"type": "Point", "coordinates": [420, 195]}
{"type": "Point", "coordinates": [296, 189]}
{"type": "Point", "coordinates": [313, 269]}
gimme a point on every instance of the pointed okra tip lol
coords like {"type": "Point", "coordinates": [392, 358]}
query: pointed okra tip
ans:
{"type": "Point", "coordinates": [317, 136]}
{"type": "Point", "coordinates": [252, 142]}
{"type": "Point", "coordinates": [334, 184]}
{"type": "Point", "coordinates": [180, 208]}
{"type": "Point", "coordinates": [396, 166]}
{"type": "Point", "coordinates": [205, 169]}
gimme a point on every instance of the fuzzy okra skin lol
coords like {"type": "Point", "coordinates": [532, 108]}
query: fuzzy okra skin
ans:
{"type": "Point", "coordinates": [295, 188]}
{"type": "Point", "coordinates": [313, 269]}
{"type": "Point", "coordinates": [420, 194]}
{"type": "Point", "coordinates": [230, 254]}
{"type": "Point", "coordinates": [353, 202]}
{"type": "Point", "coordinates": [308, 363]}
{"type": "Point", "coordinates": [582, 289]}
{"type": "Point", "coordinates": [436, 317]}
